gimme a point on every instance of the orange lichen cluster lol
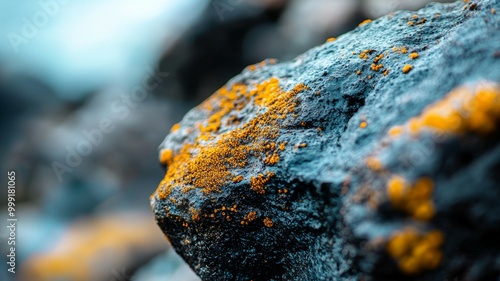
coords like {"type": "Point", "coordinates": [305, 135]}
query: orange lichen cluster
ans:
{"type": "Point", "coordinates": [261, 64]}
{"type": "Point", "coordinates": [207, 163]}
{"type": "Point", "coordinates": [364, 54]}
{"type": "Point", "coordinates": [365, 22]}
{"type": "Point", "coordinates": [166, 156]}
{"type": "Point", "coordinates": [413, 55]}
{"type": "Point", "coordinates": [331, 39]}
{"type": "Point", "coordinates": [407, 68]}
{"type": "Point", "coordinates": [415, 199]}
{"type": "Point", "coordinates": [268, 222]}
{"type": "Point", "coordinates": [251, 216]}
{"type": "Point", "coordinates": [400, 50]}
{"type": "Point", "coordinates": [363, 124]}
{"type": "Point", "coordinates": [258, 183]}
{"type": "Point", "coordinates": [415, 252]}
{"type": "Point", "coordinates": [465, 109]}
{"type": "Point", "coordinates": [175, 127]}
{"type": "Point", "coordinates": [238, 179]}
{"type": "Point", "coordinates": [376, 67]}
{"type": "Point", "coordinates": [374, 164]}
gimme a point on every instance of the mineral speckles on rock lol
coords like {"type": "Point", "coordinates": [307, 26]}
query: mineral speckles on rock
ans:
{"type": "Point", "coordinates": [371, 157]}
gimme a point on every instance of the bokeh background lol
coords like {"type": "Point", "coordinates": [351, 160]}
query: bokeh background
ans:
{"type": "Point", "coordinates": [89, 89]}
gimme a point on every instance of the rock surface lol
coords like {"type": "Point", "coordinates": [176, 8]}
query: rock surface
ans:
{"type": "Point", "coordinates": [374, 156]}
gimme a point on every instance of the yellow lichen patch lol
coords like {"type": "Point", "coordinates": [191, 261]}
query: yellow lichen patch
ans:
{"type": "Point", "coordinates": [415, 199]}
{"type": "Point", "coordinates": [386, 72]}
{"type": "Point", "coordinates": [258, 183]}
{"type": "Point", "coordinates": [207, 162]}
{"type": "Point", "coordinates": [407, 68]}
{"type": "Point", "coordinates": [358, 72]}
{"type": "Point", "coordinates": [268, 222]}
{"type": "Point", "coordinates": [415, 252]}
{"type": "Point", "coordinates": [365, 22]}
{"type": "Point", "coordinates": [363, 125]}
{"type": "Point", "coordinates": [465, 109]}
{"type": "Point", "coordinates": [331, 39]}
{"type": "Point", "coordinates": [413, 55]}
{"type": "Point", "coordinates": [166, 156]}
{"type": "Point", "coordinates": [411, 23]}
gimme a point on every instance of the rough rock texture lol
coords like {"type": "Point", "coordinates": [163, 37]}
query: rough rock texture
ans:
{"type": "Point", "coordinates": [375, 156]}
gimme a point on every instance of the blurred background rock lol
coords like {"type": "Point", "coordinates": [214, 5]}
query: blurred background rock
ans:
{"type": "Point", "coordinates": [65, 66]}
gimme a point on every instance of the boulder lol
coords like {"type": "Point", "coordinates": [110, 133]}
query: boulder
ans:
{"type": "Point", "coordinates": [375, 156]}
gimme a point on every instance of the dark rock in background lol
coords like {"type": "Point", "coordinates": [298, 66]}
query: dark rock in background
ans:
{"type": "Point", "coordinates": [371, 157]}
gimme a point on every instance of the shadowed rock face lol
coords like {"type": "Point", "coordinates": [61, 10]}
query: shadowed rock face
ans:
{"type": "Point", "coordinates": [373, 156]}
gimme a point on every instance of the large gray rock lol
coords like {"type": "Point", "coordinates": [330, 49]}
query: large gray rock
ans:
{"type": "Point", "coordinates": [372, 157]}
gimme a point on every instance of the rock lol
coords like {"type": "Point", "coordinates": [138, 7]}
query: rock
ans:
{"type": "Point", "coordinates": [107, 247]}
{"type": "Point", "coordinates": [374, 156]}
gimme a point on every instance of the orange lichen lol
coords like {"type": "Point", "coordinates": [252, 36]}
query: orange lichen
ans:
{"type": "Point", "coordinates": [207, 162]}
{"type": "Point", "coordinates": [492, 11]}
{"type": "Point", "coordinates": [399, 50]}
{"type": "Point", "coordinates": [378, 58]}
{"type": "Point", "coordinates": [407, 68]}
{"type": "Point", "coordinates": [422, 21]}
{"type": "Point", "coordinates": [363, 124]}
{"type": "Point", "coordinates": [365, 22]}
{"type": "Point", "coordinates": [268, 222]}
{"type": "Point", "coordinates": [413, 55]}
{"type": "Point", "coordinates": [282, 146]}
{"type": "Point", "coordinates": [358, 72]}
{"type": "Point", "coordinates": [411, 23]}
{"type": "Point", "coordinates": [175, 127]}
{"type": "Point", "coordinates": [258, 183]}
{"type": "Point", "coordinates": [415, 252]}
{"type": "Point", "coordinates": [331, 39]}
{"type": "Point", "coordinates": [364, 54]}
{"type": "Point", "coordinates": [386, 72]}
{"type": "Point", "coordinates": [251, 216]}
{"type": "Point", "coordinates": [166, 156]}
{"type": "Point", "coordinates": [376, 67]}
{"type": "Point", "coordinates": [414, 199]}
{"type": "Point", "coordinates": [194, 214]}
{"type": "Point", "coordinates": [396, 131]}
{"type": "Point", "coordinates": [465, 109]}
{"type": "Point", "coordinates": [272, 159]}
{"type": "Point", "coordinates": [374, 164]}
{"type": "Point", "coordinates": [238, 179]}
